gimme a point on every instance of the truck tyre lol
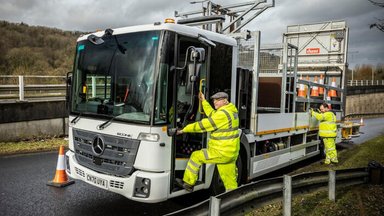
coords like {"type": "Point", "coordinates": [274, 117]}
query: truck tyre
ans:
{"type": "Point", "coordinates": [217, 186]}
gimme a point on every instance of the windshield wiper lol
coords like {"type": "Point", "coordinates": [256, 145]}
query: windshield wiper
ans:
{"type": "Point", "coordinates": [109, 33]}
{"type": "Point", "coordinates": [77, 118]}
{"type": "Point", "coordinates": [105, 124]}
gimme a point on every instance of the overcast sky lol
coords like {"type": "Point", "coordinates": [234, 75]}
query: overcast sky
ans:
{"type": "Point", "coordinates": [366, 46]}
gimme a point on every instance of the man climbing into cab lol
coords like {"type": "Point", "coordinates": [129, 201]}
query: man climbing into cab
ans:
{"type": "Point", "coordinates": [223, 145]}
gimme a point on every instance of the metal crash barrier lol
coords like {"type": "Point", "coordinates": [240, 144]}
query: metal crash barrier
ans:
{"type": "Point", "coordinates": [255, 194]}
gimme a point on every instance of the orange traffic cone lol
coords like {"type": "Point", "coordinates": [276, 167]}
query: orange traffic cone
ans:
{"type": "Point", "coordinates": [61, 179]}
{"type": "Point", "coordinates": [301, 92]}
{"type": "Point", "coordinates": [315, 89]}
{"type": "Point", "coordinates": [306, 87]}
{"type": "Point", "coordinates": [332, 92]}
{"type": "Point", "coordinates": [321, 81]}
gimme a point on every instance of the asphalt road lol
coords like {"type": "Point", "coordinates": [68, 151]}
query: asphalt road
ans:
{"type": "Point", "coordinates": [23, 189]}
{"type": "Point", "coordinates": [373, 128]}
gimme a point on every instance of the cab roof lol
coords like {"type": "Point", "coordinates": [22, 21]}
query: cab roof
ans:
{"type": "Point", "coordinates": [180, 29]}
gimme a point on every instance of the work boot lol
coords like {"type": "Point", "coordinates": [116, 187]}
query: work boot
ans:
{"type": "Point", "coordinates": [184, 185]}
{"type": "Point", "coordinates": [335, 161]}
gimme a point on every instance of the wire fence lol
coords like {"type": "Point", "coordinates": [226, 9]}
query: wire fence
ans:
{"type": "Point", "coordinates": [21, 88]}
{"type": "Point", "coordinates": [365, 82]}
{"type": "Point", "coordinates": [33, 86]}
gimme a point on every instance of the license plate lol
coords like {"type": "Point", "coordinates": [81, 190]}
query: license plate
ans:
{"type": "Point", "coordinates": [97, 181]}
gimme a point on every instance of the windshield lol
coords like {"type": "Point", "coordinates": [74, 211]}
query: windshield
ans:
{"type": "Point", "coordinates": [116, 77]}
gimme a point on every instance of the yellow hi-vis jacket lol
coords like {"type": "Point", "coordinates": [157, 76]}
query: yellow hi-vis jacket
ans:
{"type": "Point", "coordinates": [223, 124]}
{"type": "Point", "coordinates": [327, 126]}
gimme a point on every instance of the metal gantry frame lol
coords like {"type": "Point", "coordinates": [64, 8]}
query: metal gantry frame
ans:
{"type": "Point", "coordinates": [214, 13]}
{"type": "Point", "coordinates": [290, 58]}
{"type": "Point", "coordinates": [285, 67]}
{"type": "Point", "coordinates": [249, 45]}
{"type": "Point", "coordinates": [330, 41]}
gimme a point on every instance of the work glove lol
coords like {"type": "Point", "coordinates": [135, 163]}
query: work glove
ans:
{"type": "Point", "coordinates": [201, 96]}
{"type": "Point", "coordinates": [179, 132]}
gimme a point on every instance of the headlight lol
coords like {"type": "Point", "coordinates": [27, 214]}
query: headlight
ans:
{"type": "Point", "coordinates": [149, 137]}
{"type": "Point", "coordinates": [142, 187]}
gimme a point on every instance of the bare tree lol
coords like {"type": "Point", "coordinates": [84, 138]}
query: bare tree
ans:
{"type": "Point", "coordinates": [380, 22]}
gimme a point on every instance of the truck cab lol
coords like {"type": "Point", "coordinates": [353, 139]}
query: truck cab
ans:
{"type": "Point", "coordinates": [129, 87]}
{"type": "Point", "coordinates": [132, 87]}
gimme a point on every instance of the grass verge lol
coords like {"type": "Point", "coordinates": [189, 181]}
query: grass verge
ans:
{"type": "Point", "coordinates": [356, 156]}
{"type": "Point", "coordinates": [357, 200]}
{"type": "Point", "coordinates": [354, 200]}
{"type": "Point", "coordinates": [31, 146]}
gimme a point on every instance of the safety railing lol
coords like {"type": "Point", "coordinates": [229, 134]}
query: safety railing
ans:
{"type": "Point", "coordinates": [360, 115]}
{"type": "Point", "coordinates": [254, 194]}
{"type": "Point", "coordinates": [365, 82]}
{"type": "Point", "coordinates": [21, 88]}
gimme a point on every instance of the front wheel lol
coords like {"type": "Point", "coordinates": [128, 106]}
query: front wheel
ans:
{"type": "Point", "coordinates": [217, 185]}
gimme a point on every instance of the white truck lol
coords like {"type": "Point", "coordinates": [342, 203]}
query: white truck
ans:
{"type": "Point", "coordinates": [131, 87]}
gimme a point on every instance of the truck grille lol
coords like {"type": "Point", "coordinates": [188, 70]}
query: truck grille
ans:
{"type": "Point", "coordinates": [80, 172]}
{"type": "Point", "coordinates": [105, 153]}
{"type": "Point", "coordinates": [116, 184]}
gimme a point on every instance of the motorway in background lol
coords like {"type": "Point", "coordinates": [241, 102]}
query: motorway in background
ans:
{"type": "Point", "coordinates": [373, 127]}
{"type": "Point", "coordinates": [23, 189]}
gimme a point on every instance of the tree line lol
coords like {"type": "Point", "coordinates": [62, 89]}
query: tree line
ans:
{"type": "Point", "coordinates": [38, 50]}
{"type": "Point", "coordinates": [366, 72]}
{"type": "Point", "coordinates": [35, 50]}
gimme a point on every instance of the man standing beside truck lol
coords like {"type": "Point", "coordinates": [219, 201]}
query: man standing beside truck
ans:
{"type": "Point", "coordinates": [224, 142]}
{"type": "Point", "coordinates": [327, 132]}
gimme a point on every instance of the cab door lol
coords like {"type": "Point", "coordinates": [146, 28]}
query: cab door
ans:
{"type": "Point", "coordinates": [190, 76]}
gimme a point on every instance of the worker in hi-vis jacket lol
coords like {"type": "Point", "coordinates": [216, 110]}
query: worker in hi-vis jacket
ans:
{"type": "Point", "coordinates": [223, 145]}
{"type": "Point", "coordinates": [327, 132]}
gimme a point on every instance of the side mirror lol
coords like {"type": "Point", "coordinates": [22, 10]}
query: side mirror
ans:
{"type": "Point", "coordinates": [69, 78]}
{"type": "Point", "coordinates": [68, 90]}
{"type": "Point", "coordinates": [95, 39]}
{"type": "Point", "coordinates": [192, 73]}
{"type": "Point", "coordinates": [171, 131]}
{"type": "Point", "coordinates": [197, 57]}
{"type": "Point", "coordinates": [198, 54]}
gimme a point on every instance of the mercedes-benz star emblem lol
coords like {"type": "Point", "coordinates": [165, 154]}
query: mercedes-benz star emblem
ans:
{"type": "Point", "coordinates": [98, 145]}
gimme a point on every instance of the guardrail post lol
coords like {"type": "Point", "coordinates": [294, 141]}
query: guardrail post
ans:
{"type": "Point", "coordinates": [214, 206]}
{"type": "Point", "coordinates": [287, 193]}
{"type": "Point", "coordinates": [21, 88]}
{"type": "Point", "coordinates": [332, 185]}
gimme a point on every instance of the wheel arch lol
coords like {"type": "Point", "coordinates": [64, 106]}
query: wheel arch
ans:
{"type": "Point", "coordinates": [245, 151]}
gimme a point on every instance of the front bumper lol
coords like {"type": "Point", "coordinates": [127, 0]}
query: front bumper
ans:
{"type": "Point", "coordinates": [127, 186]}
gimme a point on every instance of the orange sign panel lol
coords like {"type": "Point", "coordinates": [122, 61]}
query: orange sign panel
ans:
{"type": "Point", "coordinates": [313, 50]}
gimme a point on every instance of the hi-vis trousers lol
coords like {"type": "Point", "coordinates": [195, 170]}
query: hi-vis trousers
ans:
{"type": "Point", "coordinates": [225, 165]}
{"type": "Point", "coordinates": [330, 150]}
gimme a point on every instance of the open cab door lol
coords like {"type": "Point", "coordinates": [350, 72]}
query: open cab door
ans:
{"type": "Point", "coordinates": [190, 78]}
